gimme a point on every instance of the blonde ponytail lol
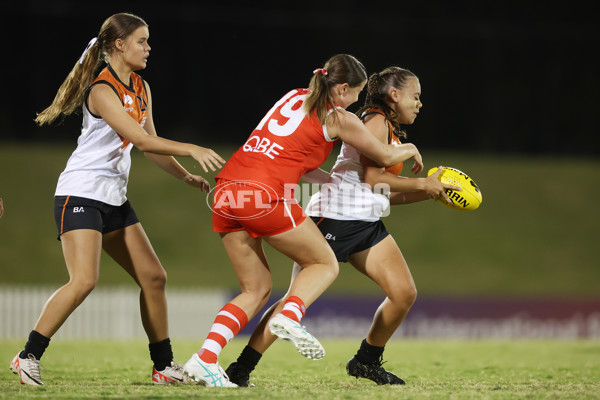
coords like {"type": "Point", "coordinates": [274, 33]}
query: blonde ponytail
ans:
{"type": "Point", "coordinates": [69, 96]}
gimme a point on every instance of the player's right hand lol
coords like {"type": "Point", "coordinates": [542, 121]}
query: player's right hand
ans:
{"type": "Point", "coordinates": [436, 189]}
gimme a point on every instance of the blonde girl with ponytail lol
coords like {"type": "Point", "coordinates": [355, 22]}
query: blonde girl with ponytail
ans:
{"type": "Point", "coordinates": [347, 210]}
{"type": "Point", "coordinates": [92, 211]}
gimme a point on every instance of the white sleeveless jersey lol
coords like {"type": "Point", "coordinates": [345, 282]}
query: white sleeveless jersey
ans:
{"type": "Point", "coordinates": [346, 196]}
{"type": "Point", "coordinates": [99, 167]}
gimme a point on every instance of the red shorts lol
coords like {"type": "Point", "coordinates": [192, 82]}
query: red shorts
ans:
{"type": "Point", "coordinates": [253, 207]}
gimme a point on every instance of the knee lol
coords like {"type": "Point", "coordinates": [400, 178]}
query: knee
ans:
{"type": "Point", "coordinates": [404, 295]}
{"type": "Point", "coordinates": [156, 280]}
{"type": "Point", "coordinates": [335, 271]}
{"type": "Point", "coordinates": [83, 286]}
{"type": "Point", "coordinates": [332, 271]}
{"type": "Point", "coordinates": [411, 295]}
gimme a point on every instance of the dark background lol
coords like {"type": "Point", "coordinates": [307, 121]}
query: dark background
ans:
{"type": "Point", "coordinates": [502, 77]}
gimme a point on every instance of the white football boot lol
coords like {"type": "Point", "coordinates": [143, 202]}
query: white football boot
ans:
{"type": "Point", "coordinates": [287, 329]}
{"type": "Point", "coordinates": [210, 375]}
{"type": "Point", "coordinates": [171, 374]}
{"type": "Point", "coordinates": [29, 369]}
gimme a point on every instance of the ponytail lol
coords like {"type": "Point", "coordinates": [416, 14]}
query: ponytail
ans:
{"type": "Point", "coordinates": [319, 96]}
{"type": "Point", "coordinates": [69, 96]}
{"type": "Point", "coordinates": [341, 68]}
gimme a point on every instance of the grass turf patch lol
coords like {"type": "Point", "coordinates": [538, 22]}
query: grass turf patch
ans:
{"type": "Point", "coordinates": [432, 369]}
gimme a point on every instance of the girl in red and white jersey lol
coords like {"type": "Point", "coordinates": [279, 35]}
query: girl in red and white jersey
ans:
{"type": "Point", "coordinates": [347, 211]}
{"type": "Point", "coordinates": [91, 208]}
{"type": "Point", "coordinates": [253, 200]}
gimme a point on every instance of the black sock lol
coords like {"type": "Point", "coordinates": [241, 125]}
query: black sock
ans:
{"type": "Point", "coordinates": [368, 354]}
{"type": "Point", "coordinates": [249, 358]}
{"type": "Point", "coordinates": [161, 354]}
{"type": "Point", "coordinates": [36, 345]}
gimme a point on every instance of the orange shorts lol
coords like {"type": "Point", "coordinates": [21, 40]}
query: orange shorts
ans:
{"type": "Point", "coordinates": [253, 207]}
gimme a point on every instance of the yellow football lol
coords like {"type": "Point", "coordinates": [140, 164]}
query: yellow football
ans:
{"type": "Point", "coordinates": [468, 198]}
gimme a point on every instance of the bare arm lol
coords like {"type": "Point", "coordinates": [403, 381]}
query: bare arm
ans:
{"type": "Point", "coordinates": [102, 101]}
{"type": "Point", "coordinates": [352, 131]}
{"type": "Point", "coordinates": [404, 190]}
{"type": "Point", "coordinates": [399, 198]}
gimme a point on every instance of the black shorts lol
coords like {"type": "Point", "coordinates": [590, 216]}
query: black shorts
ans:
{"type": "Point", "coordinates": [350, 237]}
{"type": "Point", "coordinates": [71, 212]}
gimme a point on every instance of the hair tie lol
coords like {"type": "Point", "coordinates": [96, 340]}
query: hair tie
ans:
{"type": "Point", "coordinates": [90, 44]}
{"type": "Point", "coordinates": [321, 70]}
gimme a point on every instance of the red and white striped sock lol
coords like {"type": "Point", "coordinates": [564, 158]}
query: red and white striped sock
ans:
{"type": "Point", "coordinates": [294, 308]}
{"type": "Point", "coordinates": [229, 322]}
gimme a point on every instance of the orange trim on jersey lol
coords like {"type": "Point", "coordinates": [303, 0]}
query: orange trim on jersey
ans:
{"type": "Point", "coordinates": [62, 216]}
{"type": "Point", "coordinates": [125, 141]}
{"type": "Point", "coordinates": [392, 139]}
{"type": "Point", "coordinates": [371, 111]}
{"type": "Point", "coordinates": [380, 112]}
{"type": "Point", "coordinates": [321, 220]}
{"type": "Point", "coordinates": [133, 96]}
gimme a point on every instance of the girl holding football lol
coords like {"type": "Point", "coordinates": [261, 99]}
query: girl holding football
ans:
{"type": "Point", "coordinates": [91, 210]}
{"type": "Point", "coordinates": [254, 201]}
{"type": "Point", "coordinates": [347, 213]}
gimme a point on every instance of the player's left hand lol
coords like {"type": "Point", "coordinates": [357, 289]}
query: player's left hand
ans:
{"type": "Point", "coordinates": [436, 189]}
{"type": "Point", "coordinates": [206, 158]}
{"type": "Point", "coordinates": [198, 182]}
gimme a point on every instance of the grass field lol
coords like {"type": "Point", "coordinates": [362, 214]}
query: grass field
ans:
{"type": "Point", "coordinates": [432, 370]}
{"type": "Point", "coordinates": [533, 236]}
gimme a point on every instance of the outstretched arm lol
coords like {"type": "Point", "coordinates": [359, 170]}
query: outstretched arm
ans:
{"type": "Point", "coordinates": [404, 190]}
{"type": "Point", "coordinates": [351, 130]}
{"type": "Point", "coordinates": [102, 101]}
{"type": "Point", "coordinates": [399, 198]}
{"type": "Point", "coordinates": [408, 190]}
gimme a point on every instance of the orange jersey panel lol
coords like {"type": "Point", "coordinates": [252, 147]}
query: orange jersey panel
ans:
{"type": "Point", "coordinates": [133, 96]}
{"type": "Point", "coordinates": [395, 169]}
